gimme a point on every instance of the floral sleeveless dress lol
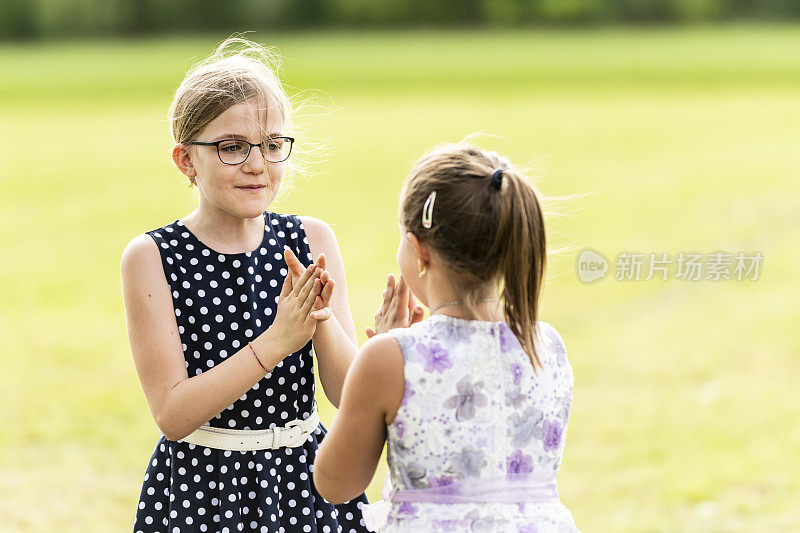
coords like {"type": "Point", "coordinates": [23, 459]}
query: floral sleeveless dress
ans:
{"type": "Point", "coordinates": [474, 409]}
{"type": "Point", "coordinates": [221, 302]}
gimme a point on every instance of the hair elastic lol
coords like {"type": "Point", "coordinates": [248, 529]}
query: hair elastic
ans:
{"type": "Point", "coordinates": [427, 211]}
{"type": "Point", "coordinates": [497, 178]}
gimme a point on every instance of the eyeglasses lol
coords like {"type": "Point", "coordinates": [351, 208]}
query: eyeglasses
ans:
{"type": "Point", "coordinates": [236, 151]}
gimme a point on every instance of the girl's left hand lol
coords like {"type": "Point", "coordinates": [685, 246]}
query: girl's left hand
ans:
{"type": "Point", "coordinates": [322, 309]}
{"type": "Point", "coordinates": [398, 309]}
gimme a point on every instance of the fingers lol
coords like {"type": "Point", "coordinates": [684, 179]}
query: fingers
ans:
{"type": "Point", "coordinates": [300, 284]}
{"type": "Point", "coordinates": [415, 312]}
{"type": "Point", "coordinates": [389, 292]}
{"type": "Point", "coordinates": [310, 295]}
{"type": "Point", "coordinates": [325, 276]}
{"type": "Point", "coordinates": [417, 315]}
{"type": "Point", "coordinates": [286, 289]}
{"type": "Point", "coordinates": [321, 261]}
{"type": "Point", "coordinates": [292, 263]}
{"type": "Point", "coordinates": [371, 333]}
{"type": "Point", "coordinates": [324, 298]}
{"type": "Point", "coordinates": [399, 305]}
{"type": "Point", "coordinates": [321, 315]}
{"type": "Point", "coordinates": [306, 285]}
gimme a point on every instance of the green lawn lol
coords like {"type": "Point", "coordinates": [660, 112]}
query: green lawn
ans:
{"type": "Point", "coordinates": [684, 416]}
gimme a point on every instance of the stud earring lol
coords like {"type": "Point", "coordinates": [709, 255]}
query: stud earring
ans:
{"type": "Point", "coordinates": [422, 271]}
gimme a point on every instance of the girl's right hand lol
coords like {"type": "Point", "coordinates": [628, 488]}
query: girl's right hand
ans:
{"type": "Point", "coordinates": [294, 326]}
{"type": "Point", "coordinates": [398, 309]}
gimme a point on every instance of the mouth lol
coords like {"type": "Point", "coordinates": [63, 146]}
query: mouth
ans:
{"type": "Point", "coordinates": [255, 188]}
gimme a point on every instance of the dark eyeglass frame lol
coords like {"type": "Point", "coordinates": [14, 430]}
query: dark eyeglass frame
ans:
{"type": "Point", "coordinates": [249, 148]}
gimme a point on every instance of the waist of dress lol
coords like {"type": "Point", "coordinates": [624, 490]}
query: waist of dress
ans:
{"type": "Point", "coordinates": [534, 487]}
{"type": "Point", "coordinates": [294, 434]}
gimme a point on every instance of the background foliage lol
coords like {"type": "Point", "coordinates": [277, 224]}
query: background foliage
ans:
{"type": "Point", "coordinates": [35, 19]}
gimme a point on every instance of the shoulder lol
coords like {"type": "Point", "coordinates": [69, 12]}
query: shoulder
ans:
{"type": "Point", "coordinates": [378, 363]}
{"type": "Point", "coordinates": [555, 350]}
{"type": "Point", "coordinates": [549, 334]}
{"type": "Point", "coordinates": [380, 353]}
{"type": "Point", "coordinates": [407, 337]}
{"type": "Point", "coordinates": [317, 230]}
{"type": "Point", "coordinates": [140, 251]}
{"type": "Point", "coordinates": [141, 264]}
{"type": "Point", "coordinates": [377, 372]}
{"type": "Point", "coordinates": [321, 239]}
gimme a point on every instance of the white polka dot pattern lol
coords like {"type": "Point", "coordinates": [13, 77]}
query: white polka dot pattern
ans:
{"type": "Point", "coordinates": [221, 302]}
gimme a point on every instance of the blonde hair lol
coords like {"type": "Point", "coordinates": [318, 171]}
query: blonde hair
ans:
{"type": "Point", "coordinates": [489, 237]}
{"type": "Point", "coordinates": [238, 70]}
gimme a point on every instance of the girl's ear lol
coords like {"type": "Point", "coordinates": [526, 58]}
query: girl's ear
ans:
{"type": "Point", "coordinates": [421, 250]}
{"type": "Point", "coordinates": [182, 160]}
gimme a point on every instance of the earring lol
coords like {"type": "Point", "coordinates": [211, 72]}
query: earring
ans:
{"type": "Point", "coordinates": [422, 271]}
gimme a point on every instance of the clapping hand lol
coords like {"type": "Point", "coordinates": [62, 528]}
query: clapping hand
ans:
{"type": "Point", "coordinates": [294, 323]}
{"type": "Point", "coordinates": [321, 310]}
{"type": "Point", "coordinates": [398, 309]}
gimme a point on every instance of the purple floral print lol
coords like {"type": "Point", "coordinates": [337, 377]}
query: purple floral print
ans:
{"type": "Point", "coordinates": [467, 463]}
{"type": "Point", "coordinates": [448, 525]}
{"type": "Point", "coordinates": [551, 435]}
{"type": "Point", "coordinates": [508, 341]}
{"type": "Point", "coordinates": [441, 481]}
{"type": "Point", "coordinates": [409, 392]}
{"type": "Point", "coordinates": [516, 372]}
{"type": "Point", "coordinates": [468, 397]}
{"type": "Point", "coordinates": [413, 475]}
{"type": "Point", "coordinates": [519, 463]}
{"type": "Point", "coordinates": [408, 509]}
{"type": "Point", "coordinates": [526, 426]}
{"type": "Point", "coordinates": [437, 358]}
{"type": "Point", "coordinates": [515, 398]}
{"type": "Point", "coordinates": [556, 346]}
{"type": "Point", "coordinates": [458, 423]}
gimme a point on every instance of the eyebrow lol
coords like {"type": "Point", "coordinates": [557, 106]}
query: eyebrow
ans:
{"type": "Point", "coordinates": [243, 137]}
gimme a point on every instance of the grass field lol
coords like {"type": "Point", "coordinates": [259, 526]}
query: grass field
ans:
{"type": "Point", "coordinates": [685, 416]}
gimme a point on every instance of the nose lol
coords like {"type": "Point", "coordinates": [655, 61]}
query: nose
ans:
{"type": "Point", "coordinates": [255, 161]}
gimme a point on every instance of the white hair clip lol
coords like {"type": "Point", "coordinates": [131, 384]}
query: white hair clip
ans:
{"type": "Point", "coordinates": [427, 211]}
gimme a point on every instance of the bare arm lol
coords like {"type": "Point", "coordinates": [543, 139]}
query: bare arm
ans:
{"type": "Point", "coordinates": [373, 390]}
{"type": "Point", "coordinates": [335, 341]}
{"type": "Point", "coordinates": [180, 404]}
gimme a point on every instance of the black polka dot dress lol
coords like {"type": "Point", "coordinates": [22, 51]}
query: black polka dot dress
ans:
{"type": "Point", "coordinates": [221, 302]}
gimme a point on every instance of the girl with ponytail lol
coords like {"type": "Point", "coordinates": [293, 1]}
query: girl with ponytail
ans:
{"type": "Point", "coordinates": [472, 402]}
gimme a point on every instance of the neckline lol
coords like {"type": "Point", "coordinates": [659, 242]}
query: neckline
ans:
{"type": "Point", "coordinates": [263, 242]}
{"type": "Point", "coordinates": [469, 321]}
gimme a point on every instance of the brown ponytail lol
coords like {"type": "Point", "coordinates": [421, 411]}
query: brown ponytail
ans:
{"type": "Point", "coordinates": [493, 239]}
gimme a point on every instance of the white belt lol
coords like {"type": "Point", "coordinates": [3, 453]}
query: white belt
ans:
{"type": "Point", "coordinates": [292, 435]}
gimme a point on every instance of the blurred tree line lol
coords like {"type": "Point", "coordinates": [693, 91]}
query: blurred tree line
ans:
{"type": "Point", "coordinates": [36, 19]}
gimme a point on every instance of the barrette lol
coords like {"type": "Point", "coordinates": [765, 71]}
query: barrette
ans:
{"type": "Point", "coordinates": [427, 211]}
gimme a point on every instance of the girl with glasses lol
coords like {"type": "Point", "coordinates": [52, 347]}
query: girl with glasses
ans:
{"type": "Point", "coordinates": [223, 306]}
